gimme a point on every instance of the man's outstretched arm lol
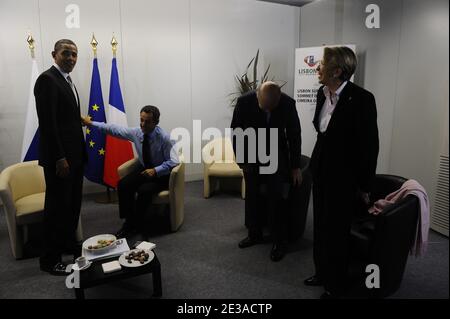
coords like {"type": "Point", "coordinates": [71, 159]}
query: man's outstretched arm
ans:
{"type": "Point", "coordinates": [109, 128]}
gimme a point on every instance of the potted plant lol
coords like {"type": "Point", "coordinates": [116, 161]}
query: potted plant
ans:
{"type": "Point", "coordinates": [243, 82]}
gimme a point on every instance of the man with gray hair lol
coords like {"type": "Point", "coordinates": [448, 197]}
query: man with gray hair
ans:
{"type": "Point", "coordinates": [343, 166]}
{"type": "Point", "coordinates": [273, 117]}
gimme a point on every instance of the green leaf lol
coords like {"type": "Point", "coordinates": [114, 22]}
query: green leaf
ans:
{"type": "Point", "coordinates": [255, 66]}
{"type": "Point", "coordinates": [264, 77]}
{"type": "Point", "coordinates": [243, 82]}
{"type": "Point", "coordinates": [248, 66]}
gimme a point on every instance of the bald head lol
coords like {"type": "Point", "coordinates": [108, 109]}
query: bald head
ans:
{"type": "Point", "coordinates": [268, 95]}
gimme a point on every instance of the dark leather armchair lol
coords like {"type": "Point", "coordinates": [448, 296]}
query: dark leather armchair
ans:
{"type": "Point", "coordinates": [385, 239]}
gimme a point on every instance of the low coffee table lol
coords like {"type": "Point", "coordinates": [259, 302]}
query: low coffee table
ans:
{"type": "Point", "coordinates": [94, 276]}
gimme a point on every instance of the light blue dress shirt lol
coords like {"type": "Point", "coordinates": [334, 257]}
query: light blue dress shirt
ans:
{"type": "Point", "coordinates": [163, 154]}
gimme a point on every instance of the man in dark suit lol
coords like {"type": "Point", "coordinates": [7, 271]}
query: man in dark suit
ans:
{"type": "Point", "coordinates": [62, 155]}
{"type": "Point", "coordinates": [343, 165]}
{"type": "Point", "coordinates": [267, 112]}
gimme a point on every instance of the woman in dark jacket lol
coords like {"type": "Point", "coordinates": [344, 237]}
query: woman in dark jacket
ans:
{"type": "Point", "coordinates": [343, 165]}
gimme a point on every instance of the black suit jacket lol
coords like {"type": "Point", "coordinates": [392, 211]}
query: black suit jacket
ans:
{"type": "Point", "coordinates": [347, 152]}
{"type": "Point", "coordinates": [248, 114]}
{"type": "Point", "coordinates": [61, 134]}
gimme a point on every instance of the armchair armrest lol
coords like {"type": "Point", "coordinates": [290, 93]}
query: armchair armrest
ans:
{"type": "Point", "coordinates": [6, 195]}
{"type": "Point", "coordinates": [127, 167]}
{"type": "Point", "coordinates": [206, 154]}
{"type": "Point", "coordinates": [176, 191]}
{"type": "Point", "coordinates": [10, 210]}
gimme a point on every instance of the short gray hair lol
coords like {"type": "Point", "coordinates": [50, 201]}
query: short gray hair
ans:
{"type": "Point", "coordinates": [341, 57]}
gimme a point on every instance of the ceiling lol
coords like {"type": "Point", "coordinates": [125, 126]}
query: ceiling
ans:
{"type": "Point", "coordinates": [297, 3]}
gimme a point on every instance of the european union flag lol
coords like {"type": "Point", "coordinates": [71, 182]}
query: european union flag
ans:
{"type": "Point", "coordinates": [95, 140]}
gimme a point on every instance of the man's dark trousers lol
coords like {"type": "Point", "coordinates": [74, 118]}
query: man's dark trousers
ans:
{"type": "Point", "coordinates": [135, 193]}
{"type": "Point", "coordinates": [61, 213]}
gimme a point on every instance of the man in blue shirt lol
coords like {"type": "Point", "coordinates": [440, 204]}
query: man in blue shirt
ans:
{"type": "Point", "coordinates": [157, 157]}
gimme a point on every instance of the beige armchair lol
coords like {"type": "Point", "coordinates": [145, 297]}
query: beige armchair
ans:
{"type": "Point", "coordinates": [22, 190]}
{"type": "Point", "coordinates": [219, 163]}
{"type": "Point", "coordinates": [174, 196]}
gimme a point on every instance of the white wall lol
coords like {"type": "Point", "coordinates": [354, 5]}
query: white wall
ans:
{"type": "Point", "coordinates": [16, 17]}
{"type": "Point", "coordinates": [46, 20]}
{"type": "Point", "coordinates": [405, 64]}
{"type": "Point", "coordinates": [421, 108]}
{"type": "Point", "coordinates": [225, 35]}
{"type": "Point", "coordinates": [343, 22]}
{"type": "Point", "coordinates": [180, 55]}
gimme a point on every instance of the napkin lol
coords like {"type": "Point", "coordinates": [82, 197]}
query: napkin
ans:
{"type": "Point", "coordinates": [145, 245]}
{"type": "Point", "coordinates": [112, 266]}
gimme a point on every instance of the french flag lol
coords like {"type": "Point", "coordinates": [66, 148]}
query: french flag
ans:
{"type": "Point", "coordinates": [117, 151]}
{"type": "Point", "coordinates": [31, 133]}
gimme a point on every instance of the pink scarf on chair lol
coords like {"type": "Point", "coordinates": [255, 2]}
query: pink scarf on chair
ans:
{"type": "Point", "coordinates": [410, 187]}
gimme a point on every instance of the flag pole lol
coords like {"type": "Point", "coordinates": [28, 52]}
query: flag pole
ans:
{"type": "Point", "coordinates": [30, 41]}
{"type": "Point", "coordinates": [114, 44]}
{"type": "Point", "coordinates": [109, 197]}
{"type": "Point", "coordinates": [30, 138]}
{"type": "Point", "coordinates": [94, 44]}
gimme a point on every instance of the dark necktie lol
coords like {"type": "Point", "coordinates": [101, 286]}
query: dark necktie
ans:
{"type": "Point", "coordinates": [72, 86]}
{"type": "Point", "coordinates": [146, 154]}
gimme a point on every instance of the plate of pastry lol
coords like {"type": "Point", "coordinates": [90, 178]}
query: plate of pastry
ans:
{"type": "Point", "coordinates": [136, 258]}
{"type": "Point", "coordinates": [100, 243]}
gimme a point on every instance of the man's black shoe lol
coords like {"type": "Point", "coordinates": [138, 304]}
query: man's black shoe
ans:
{"type": "Point", "coordinates": [249, 241]}
{"type": "Point", "coordinates": [59, 269]}
{"type": "Point", "coordinates": [278, 251]}
{"type": "Point", "coordinates": [313, 281]}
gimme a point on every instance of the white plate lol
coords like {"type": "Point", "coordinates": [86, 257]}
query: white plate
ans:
{"type": "Point", "coordinates": [135, 263]}
{"type": "Point", "coordinates": [76, 268]}
{"type": "Point", "coordinates": [94, 241]}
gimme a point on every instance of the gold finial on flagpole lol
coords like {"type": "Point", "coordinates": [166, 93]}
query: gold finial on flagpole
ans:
{"type": "Point", "coordinates": [94, 44]}
{"type": "Point", "coordinates": [114, 44]}
{"type": "Point", "coordinates": [30, 41]}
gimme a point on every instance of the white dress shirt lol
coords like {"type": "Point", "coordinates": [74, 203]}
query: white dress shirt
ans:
{"type": "Point", "coordinates": [328, 106]}
{"type": "Point", "coordinates": [65, 75]}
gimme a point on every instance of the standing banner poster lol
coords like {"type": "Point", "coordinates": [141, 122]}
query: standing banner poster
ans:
{"type": "Point", "coordinates": [306, 86]}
